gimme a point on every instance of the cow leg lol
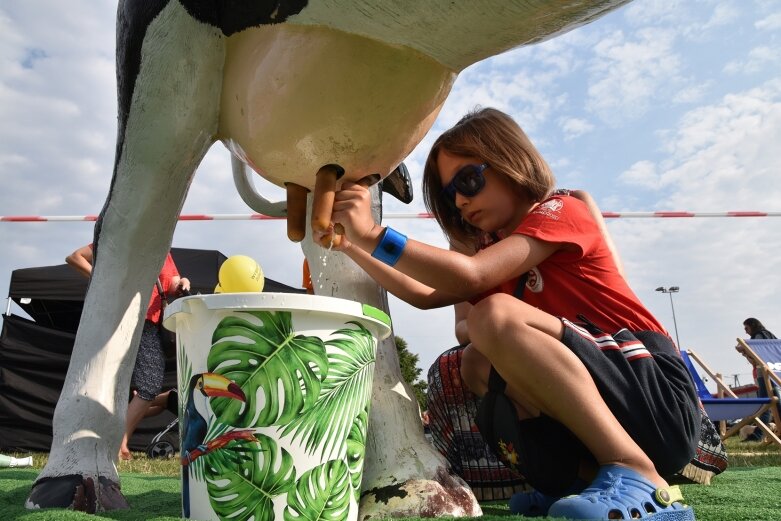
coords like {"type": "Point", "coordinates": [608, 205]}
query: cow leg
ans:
{"type": "Point", "coordinates": [171, 122]}
{"type": "Point", "coordinates": [404, 476]}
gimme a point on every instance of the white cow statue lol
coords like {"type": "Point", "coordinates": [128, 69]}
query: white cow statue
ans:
{"type": "Point", "coordinates": [295, 89]}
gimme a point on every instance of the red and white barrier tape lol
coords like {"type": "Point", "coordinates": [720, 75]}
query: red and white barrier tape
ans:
{"type": "Point", "coordinates": [424, 215]}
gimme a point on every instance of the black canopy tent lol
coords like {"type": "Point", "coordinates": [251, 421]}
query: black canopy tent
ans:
{"type": "Point", "coordinates": [34, 354]}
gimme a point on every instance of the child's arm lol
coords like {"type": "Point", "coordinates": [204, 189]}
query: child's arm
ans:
{"type": "Point", "coordinates": [467, 276]}
{"type": "Point", "coordinates": [402, 286]}
{"type": "Point", "coordinates": [406, 288]}
{"type": "Point", "coordinates": [448, 271]}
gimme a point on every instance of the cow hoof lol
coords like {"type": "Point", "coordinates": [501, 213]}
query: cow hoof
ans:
{"type": "Point", "coordinates": [77, 492]}
{"type": "Point", "coordinates": [446, 495]}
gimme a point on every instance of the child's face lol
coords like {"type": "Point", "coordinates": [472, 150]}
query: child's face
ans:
{"type": "Point", "coordinates": [496, 207]}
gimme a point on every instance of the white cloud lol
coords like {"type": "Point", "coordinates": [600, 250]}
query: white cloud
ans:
{"type": "Point", "coordinates": [758, 59]}
{"type": "Point", "coordinates": [653, 12]}
{"type": "Point", "coordinates": [723, 14]}
{"type": "Point", "coordinates": [692, 93]}
{"type": "Point", "coordinates": [58, 111]}
{"type": "Point", "coordinates": [769, 23]}
{"type": "Point", "coordinates": [560, 162]}
{"type": "Point", "coordinates": [693, 19]}
{"type": "Point", "coordinates": [723, 152]}
{"type": "Point", "coordinates": [643, 174]}
{"type": "Point", "coordinates": [628, 73]}
{"type": "Point", "coordinates": [575, 127]}
{"type": "Point", "coordinates": [527, 94]}
{"type": "Point", "coordinates": [719, 154]}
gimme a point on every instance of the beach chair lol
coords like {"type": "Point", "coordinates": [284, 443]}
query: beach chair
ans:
{"type": "Point", "coordinates": [765, 355]}
{"type": "Point", "coordinates": [747, 410]}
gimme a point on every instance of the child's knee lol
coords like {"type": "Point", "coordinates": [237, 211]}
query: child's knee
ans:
{"type": "Point", "coordinates": [491, 315]}
{"type": "Point", "coordinates": [492, 319]}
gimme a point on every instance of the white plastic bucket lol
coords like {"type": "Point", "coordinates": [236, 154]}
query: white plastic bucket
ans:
{"type": "Point", "coordinates": [274, 394]}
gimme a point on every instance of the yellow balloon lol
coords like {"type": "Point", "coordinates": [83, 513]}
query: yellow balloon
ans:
{"type": "Point", "coordinates": [217, 288]}
{"type": "Point", "coordinates": [241, 274]}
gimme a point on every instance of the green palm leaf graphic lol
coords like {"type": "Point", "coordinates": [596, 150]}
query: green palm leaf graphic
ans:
{"type": "Point", "coordinates": [322, 493]}
{"type": "Point", "coordinates": [356, 448]}
{"type": "Point", "coordinates": [262, 351]}
{"type": "Point", "coordinates": [197, 468]}
{"type": "Point", "coordinates": [185, 373]}
{"type": "Point", "coordinates": [345, 392]}
{"type": "Point", "coordinates": [243, 479]}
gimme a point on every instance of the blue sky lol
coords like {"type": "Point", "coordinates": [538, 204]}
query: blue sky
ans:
{"type": "Point", "coordinates": [661, 105]}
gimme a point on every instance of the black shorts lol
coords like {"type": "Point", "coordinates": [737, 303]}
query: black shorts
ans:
{"type": "Point", "coordinates": [645, 384]}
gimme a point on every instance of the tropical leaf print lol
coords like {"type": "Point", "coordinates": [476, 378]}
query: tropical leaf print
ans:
{"type": "Point", "coordinates": [185, 373]}
{"type": "Point", "coordinates": [197, 468]}
{"type": "Point", "coordinates": [322, 493]}
{"type": "Point", "coordinates": [356, 448]}
{"type": "Point", "coordinates": [243, 479]}
{"type": "Point", "coordinates": [260, 350]}
{"type": "Point", "coordinates": [345, 392]}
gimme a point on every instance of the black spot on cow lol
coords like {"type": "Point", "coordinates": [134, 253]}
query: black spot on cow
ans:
{"type": "Point", "coordinates": [232, 16]}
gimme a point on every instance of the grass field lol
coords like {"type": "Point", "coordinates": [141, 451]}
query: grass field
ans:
{"type": "Point", "coordinates": [750, 490]}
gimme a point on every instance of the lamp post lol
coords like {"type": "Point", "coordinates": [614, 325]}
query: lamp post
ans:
{"type": "Point", "coordinates": [670, 291]}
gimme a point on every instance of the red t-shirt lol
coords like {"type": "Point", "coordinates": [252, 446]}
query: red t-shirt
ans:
{"type": "Point", "coordinates": [168, 272]}
{"type": "Point", "coordinates": [581, 278]}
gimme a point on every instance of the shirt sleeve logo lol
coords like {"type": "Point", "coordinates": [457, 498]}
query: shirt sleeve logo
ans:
{"type": "Point", "coordinates": [550, 208]}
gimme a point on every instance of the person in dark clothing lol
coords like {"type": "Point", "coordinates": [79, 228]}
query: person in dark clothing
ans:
{"type": "Point", "coordinates": [756, 330]}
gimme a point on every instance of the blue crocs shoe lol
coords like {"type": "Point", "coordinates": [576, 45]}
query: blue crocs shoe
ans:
{"type": "Point", "coordinates": [531, 504]}
{"type": "Point", "coordinates": [536, 504]}
{"type": "Point", "coordinates": [621, 493]}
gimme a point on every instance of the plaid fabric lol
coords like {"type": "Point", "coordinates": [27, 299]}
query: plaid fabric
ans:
{"type": "Point", "coordinates": [711, 457]}
{"type": "Point", "coordinates": [452, 411]}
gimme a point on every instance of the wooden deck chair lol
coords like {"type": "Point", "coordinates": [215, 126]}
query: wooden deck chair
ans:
{"type": "Point", "coordinates": [765, 355]}
{"type": "Point", "coordinates": [747, 410]}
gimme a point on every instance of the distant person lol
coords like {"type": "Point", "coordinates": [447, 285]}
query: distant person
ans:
{"type": "Point", "coordinates": [147, 380]}
{"type": "Point", "coordinates": [757, 331]}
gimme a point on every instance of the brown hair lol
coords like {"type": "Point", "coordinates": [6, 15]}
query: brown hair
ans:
{"type": "Point", "coordinates": [497, 139]}
{"type": "Point", "coordinates": [754, 325]}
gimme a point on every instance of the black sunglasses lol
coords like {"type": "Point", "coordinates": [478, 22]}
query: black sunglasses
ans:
{"type": "Point", "coordinates": [468, 181]}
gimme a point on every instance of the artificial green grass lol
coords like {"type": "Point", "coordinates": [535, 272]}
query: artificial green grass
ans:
{"type": "Point", "coordinates": [739, 494]}
{"type": "Point", "coordinates": [151, 498]}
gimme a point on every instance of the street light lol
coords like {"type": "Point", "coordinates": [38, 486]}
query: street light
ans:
{"type": "Point", "coordinates": [670, 291]}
